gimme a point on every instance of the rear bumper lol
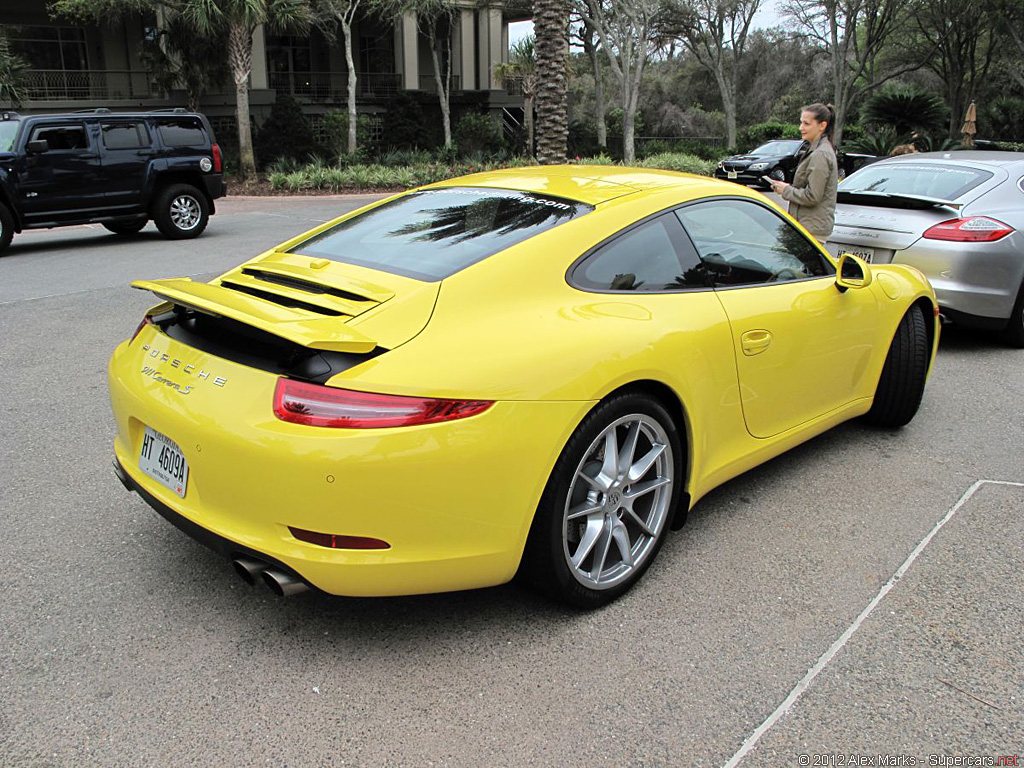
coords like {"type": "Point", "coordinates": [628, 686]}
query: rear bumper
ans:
{"type": "Point", "coordinates": [225, 547]}
{"type": "Point", "coordinates": [978, 282]}
{"type": "Point", "coordinates": [216, 187]}
{"type": "Point", "coordinates": [454, 500]}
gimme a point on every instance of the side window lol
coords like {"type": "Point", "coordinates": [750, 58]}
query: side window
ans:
{"type": "Point", "coordinates": [181, 133]}
{"type": "Point", "coordinates": [125, 135]}
{"type": "Point", "coordinates": [743, 243]}
{"type": "Point", "coordinates": [61, 137]}
{"type": "Point", "coordinates": [652, 258]}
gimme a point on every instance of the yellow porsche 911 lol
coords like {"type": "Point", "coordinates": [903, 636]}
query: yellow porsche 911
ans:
{"type": "Point", "coordinates": [532, 371]}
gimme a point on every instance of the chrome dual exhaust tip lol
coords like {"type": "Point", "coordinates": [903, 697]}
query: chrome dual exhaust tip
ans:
{"type": "Point", "coordinates": [281, 584]}
{"type": "Point", "coordinates": [249, 569]}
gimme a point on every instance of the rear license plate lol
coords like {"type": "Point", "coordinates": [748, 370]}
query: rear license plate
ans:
{"type": "Point", "coordinates": [162, 459]}
{"type": "Point", "coordinates": [867, 254]}
{"type": "Point", "coordinates": [732, 174]}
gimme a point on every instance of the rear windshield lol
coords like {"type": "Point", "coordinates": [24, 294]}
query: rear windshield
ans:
{"type": "Point", "coordinates": [8, 130]}
{"type": "Point", "coordinates": [944, 182]}
{"type": "Point", "coordinates": [181, 133]}
{"type": "Point", "coordinates": [432, 234]}
{"type": "Point", "coordinates": [778, 147]}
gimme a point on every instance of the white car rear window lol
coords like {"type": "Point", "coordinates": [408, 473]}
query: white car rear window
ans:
{"type": "Point", "coordinates": [943, 182]}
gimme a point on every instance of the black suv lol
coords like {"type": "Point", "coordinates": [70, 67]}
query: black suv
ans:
{"type": "Point", "coordinates": [118, 170]}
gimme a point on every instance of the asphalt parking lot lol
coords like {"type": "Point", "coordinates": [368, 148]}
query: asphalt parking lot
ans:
{"type": "Point", "coordinates": [860, 596]}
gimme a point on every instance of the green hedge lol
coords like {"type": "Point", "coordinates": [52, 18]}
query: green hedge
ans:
{"type": "Point", "coordinates": [676, 161]}
{"type": "Point", "coordinates": [320, 176]}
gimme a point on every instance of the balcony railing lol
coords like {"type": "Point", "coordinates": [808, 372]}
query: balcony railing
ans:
{"type": "Point", "coordinates": [86, 85]}
{"type": "Point", "coordinates": [429, 84]}
{"type": "Point", "coordinates": [513, 85]}
{"type": "Point", "coordinates": [333, 86]}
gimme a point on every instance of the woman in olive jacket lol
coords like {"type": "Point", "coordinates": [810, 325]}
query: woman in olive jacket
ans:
{"type": "Point", "coordinates": [812, 195]}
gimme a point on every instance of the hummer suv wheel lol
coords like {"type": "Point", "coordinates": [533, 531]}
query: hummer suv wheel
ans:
{"type": "Point", "coordinates": [181, 211]}
{"type": "Point", "coordinates": [6, 227]}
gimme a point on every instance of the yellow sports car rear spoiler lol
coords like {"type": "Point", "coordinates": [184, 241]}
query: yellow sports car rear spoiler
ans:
{"type": "Point", "coordinates": [329, 333]}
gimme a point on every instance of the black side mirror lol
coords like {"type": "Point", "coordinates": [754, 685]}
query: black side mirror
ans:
{"type": "Point", "coordinates": [37, 147]}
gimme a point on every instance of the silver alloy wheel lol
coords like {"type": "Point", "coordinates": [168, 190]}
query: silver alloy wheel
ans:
{"type": "Point", "coordinates": [618, 501]}
{"type": "Point", "coordinates": [186, 212]}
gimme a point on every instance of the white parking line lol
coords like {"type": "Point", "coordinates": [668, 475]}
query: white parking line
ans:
{"type": "Point", "coordinates": [844, 638]}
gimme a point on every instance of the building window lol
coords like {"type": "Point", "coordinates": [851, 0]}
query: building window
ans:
{"type": "Point", "coordinates": [51, 48]}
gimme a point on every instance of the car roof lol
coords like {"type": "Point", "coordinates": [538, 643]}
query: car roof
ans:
{"type": "Point", "coordinates": [970, 157]}
{"type": "Point", "coordinates": [592, 184]}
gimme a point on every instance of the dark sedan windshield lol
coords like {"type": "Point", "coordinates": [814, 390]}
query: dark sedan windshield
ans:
{"type": "Point", "coordinates": [8, 130]}
{"type": "Point", "coordinates": [776, 148]}
{"type": "Point", "coordinates": [432, 234]}
{"type": "Point", "coordinates": [943, 182]}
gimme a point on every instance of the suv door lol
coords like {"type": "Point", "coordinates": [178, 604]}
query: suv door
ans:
{"type": "Point", "coordinates": [802, 347]}
{"type": "Point", "coordinates": [63, 183]}
{"type": "Point", "coordinates": [127, 151]}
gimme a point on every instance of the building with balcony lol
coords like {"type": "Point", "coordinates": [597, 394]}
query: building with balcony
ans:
{"type": "Point", "coordinates": [74, 67]}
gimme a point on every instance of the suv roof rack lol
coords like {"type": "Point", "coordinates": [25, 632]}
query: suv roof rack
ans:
{"type": "Point", "coordinates": [174, 111]}
{"type": "Point", "coordinates": [9, 114]}
{"type": "Point", "coordinates": [97, 111]}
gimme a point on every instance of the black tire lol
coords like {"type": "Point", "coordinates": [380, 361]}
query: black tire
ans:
{"type": "Point", "coordinates": [901, 386]}
{"type": "Point", "coordinates": [1013, 334]}
{"type": "Point", "coordinates": [553, 540]}
{"type": "Point", "coordinates": [6, 227]}
{"type": "Point", "coordinates": [126, 227]}
{"type": "Point", "coordinates": [181, 211]}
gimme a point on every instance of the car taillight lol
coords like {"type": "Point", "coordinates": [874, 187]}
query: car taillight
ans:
{"type": "Point", "coordinates": [338, 540]}
{"type": "Point", "coordinates": [147, 320]}
{"type": "Point", "coordinates": [975, 229]}
{"type": "Point", "coordinates": [217, 164]}
{"type": "Point", "coordinates": [319, 406]}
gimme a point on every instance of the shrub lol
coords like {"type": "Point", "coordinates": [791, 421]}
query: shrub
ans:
{"type": "Point", "coordinates": [407, 125]}
{"type": "Point", "coordinates": [596, 160]}
{"type": "Point", "coordinates": [477, 133]}
{"type": "Point", "coordinates": [905, 109]}
{"type": "Point", "coordinates": [397, 157]}
{"type": "Point", "coordinates": [879, 142]}
{"type": "Point", "coordinates": [1002, 118]}
{"type": "Point", "coordinates": [675, 161]}
{"type": "Point", "coordinates": [582, 140]}
{"type": "Point", "coordinates": [286, 133]}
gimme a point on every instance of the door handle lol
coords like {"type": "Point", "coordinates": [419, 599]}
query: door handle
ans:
{"type": "Point", "coordinates": [755, 342]}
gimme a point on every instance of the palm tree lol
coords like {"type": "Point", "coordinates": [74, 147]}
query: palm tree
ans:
{"type": "Point", "coordinates": [238, 20]}
{"type": "Point", "coordinates": [522, 64]}
{"type": "Point", "coordinates": [550, 25]}
{"type": "Point", "coordinates": [12, 73]}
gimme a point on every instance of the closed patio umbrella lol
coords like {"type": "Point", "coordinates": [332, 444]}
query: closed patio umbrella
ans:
{"type": "Point", "coordinates": [970, 127]}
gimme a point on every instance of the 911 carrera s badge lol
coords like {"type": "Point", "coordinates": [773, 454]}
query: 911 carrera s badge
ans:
{"type": "Point", "coordinates": [200, 374]}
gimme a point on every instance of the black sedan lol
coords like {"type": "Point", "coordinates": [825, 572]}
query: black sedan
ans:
{"type": "Point", "coordinates": [775, 159]}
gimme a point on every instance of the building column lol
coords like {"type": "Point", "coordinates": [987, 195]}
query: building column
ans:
{"type": "Point", "coordinates": [410, 53]}
{"type": "Point", "coordinates": [489, 26]}
{"type": "Point", "coordinates": [258, 79]}
{"type": "Point", "coordinates": [467, 63]}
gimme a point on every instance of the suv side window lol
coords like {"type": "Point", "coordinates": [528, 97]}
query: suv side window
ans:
{"type": "Point", "coordinates": [181, 133]}
{"type": "Point", "coordinates": [654, 257]}
{"type": "Point", "coordinates": [61, 137]}
{"type": "Point", "coordinates": [125, 135]}
{"type": "Point", "coordinates": [743, 243]}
